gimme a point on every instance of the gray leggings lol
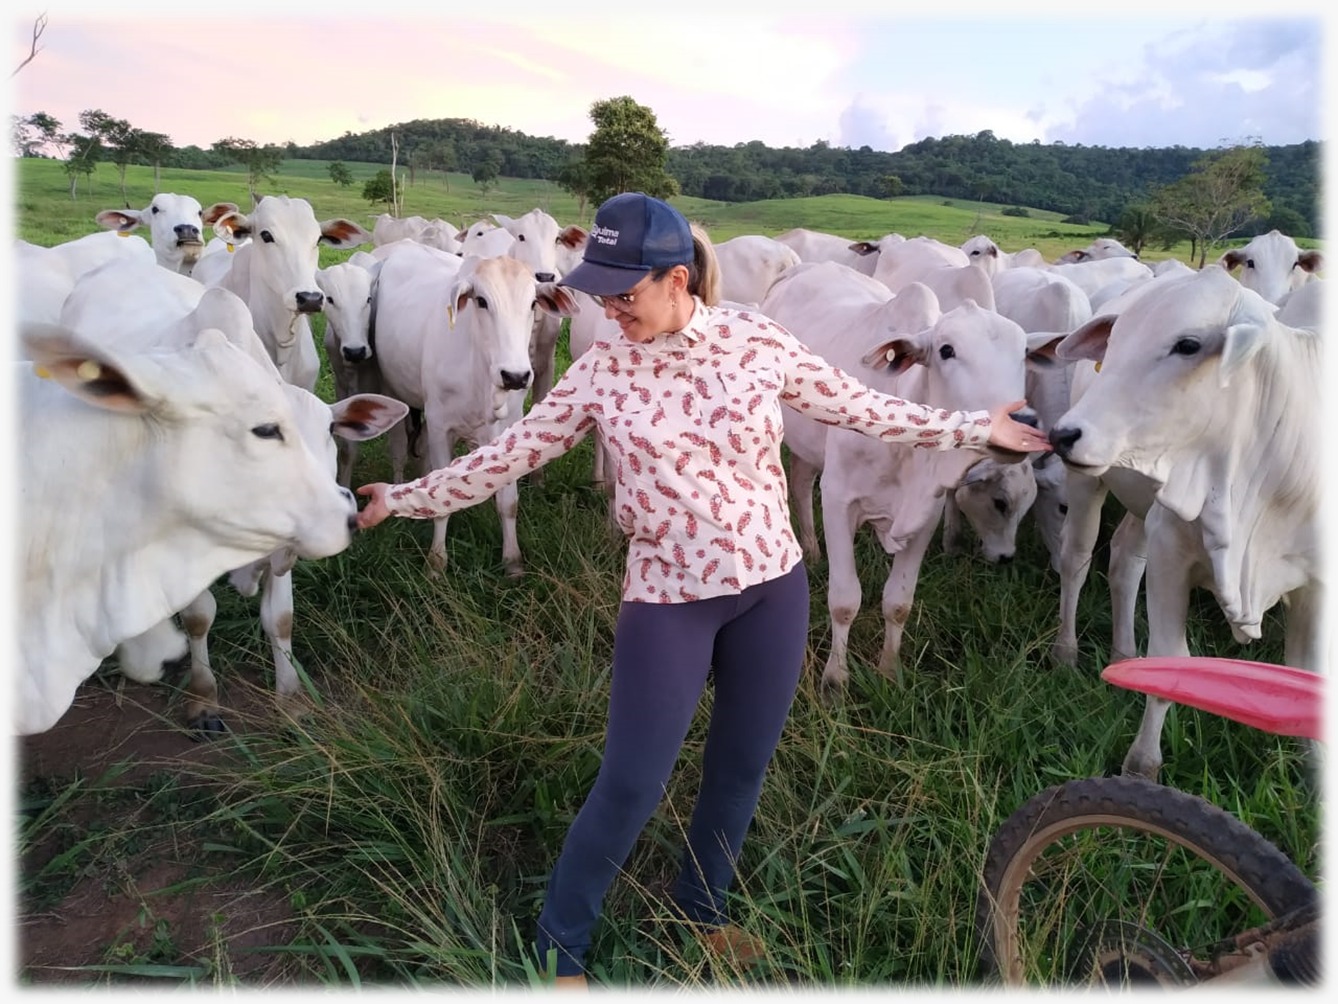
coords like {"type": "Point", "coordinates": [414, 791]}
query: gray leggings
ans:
{"type": "Point", "coordinates": [662, 652]}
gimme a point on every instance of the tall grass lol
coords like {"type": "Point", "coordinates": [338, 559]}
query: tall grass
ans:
{"type": "Point", "coordinates": [411, 814]}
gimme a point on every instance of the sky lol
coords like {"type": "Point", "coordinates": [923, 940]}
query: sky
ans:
{"type": "Point", "coordinates": [846, 72]}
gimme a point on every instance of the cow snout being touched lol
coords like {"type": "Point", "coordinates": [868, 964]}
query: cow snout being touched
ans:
{"type": "Point", "coordinates": [308, 302]}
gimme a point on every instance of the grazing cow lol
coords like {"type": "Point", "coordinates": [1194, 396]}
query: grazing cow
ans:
{"type": "Point", "coordinates": [1205, 393]}
{"type": "Point", "coordinates": [969, 358]}
{"type": "Point", "coordinates": [275, 275]}
{"type": "Point", "coordinates": [387, 229]}
{"type": "Point", "coordinates": [993, 498]}
{"type": "Point", "coordinates": [175, 225]}
{"type": "Point", "coordinates": [814, 246]}
{"type": "Point", "coordinates": [198, 468]}
{"type": "Point", "coordinates": [1272, 265]}
{"type": "Point", "coordinates": [1099, 249]}
{"type": "Point", "coordinates": [454, 342]}
{"type": "Point", "coordinates": [1091, 275]}
{"type": "Point", "coordinates": [750, 264]}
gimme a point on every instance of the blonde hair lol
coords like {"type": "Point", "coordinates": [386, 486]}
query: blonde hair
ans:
{"type": "Point", "coordinates": [704, 272]}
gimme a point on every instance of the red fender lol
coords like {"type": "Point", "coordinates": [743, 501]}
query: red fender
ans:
{"type": "Point", "coordinates": [1278, 699]}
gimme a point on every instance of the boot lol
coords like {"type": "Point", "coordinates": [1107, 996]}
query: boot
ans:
{"type": "Point", "coordinates": [735, 945]}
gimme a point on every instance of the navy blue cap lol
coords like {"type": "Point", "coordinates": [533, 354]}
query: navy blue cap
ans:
{"type": "Point", "coordinates": [633, 233]}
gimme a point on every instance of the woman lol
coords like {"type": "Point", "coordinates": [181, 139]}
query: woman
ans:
{"type": "Point", "coordinates": [689, 401]}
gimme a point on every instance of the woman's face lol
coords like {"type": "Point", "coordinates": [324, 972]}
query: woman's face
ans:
{"type": "Point", "coordinates": [649, 308]}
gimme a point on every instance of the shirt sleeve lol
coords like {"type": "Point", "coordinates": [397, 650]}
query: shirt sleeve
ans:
{"type": "Point", "coordinates": [823, 392]}
{"type": "Point", "coordinates": [549, 429]}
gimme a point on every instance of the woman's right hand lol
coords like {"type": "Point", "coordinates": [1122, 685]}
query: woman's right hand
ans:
{"type": "Point", "coordinates": [1008, 433]}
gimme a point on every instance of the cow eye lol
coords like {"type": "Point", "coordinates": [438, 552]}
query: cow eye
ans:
{"type": "Point", "coordinates": [329, 299]}
{"type": "Point", "coordinates": [1186, 346]}
{"type": "Point", "coordinates": [1249, 263]}
{"type": "Point", "coordinates": [1063, 510]}
{"type": "Point", "coordinates": [946, 352]}
{"type": "Point", "coordinates": [483, 304]}
{"type": "Point", "coordinates": [267, 237]}
{"type": "Point", "coordinates": [520, 237]}
{"type": "Point", "coordinates": [270, 430]}
{"type": "Point", "coordinates": [154, 210]}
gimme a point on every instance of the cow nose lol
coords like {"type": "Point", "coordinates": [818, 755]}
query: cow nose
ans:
{"type": "Point", "coordinates": [544, 276]}
{"type": "Point", "coordinates": [515, 381]}
{"type": "Point", "coordinates": [355, 355]}
{"type": "Point", "coordinates": [1004, 559]}
{"type": "Point", "coordinates": [1063, 440]}
{"type": "Point", "coordinates": [309, 303]}
{"type": "Point", "coordinates": [348, 496]}
{"type": "Point", "coordinates": [187, 232]}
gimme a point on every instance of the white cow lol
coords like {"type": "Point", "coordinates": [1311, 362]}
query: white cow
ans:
{"type": "Point", "coordinates": [42, 280]}
{"type": "Point", "coordinates": [349, 289]}
{"type": "Point", "coordinates": [909, 261]}
{"type": "Point", "coordinates": [198, 468]}
{"type": "Point", "coordinates": [275, 275]}
{"type": "Point", "coordinates": [1205, 393]}
{"type": "Point", "coordinates": [175, 224]}
{"type": "Point", "coordinates": [982, 252]}
{"type": "Point", "coordinates": [750, 264]}
{"type": "Point", "coordinates": [455, 344]}
{"type": "Point", "coordinates": [814, 246]}
{"type": "Point", "coordinates": [88, 252]}
{"type": "Point", "coordinates": [1099, 249]}
{"type": "Point", "coordinates": [1091, 275]}
{"type": "Point", "coordinates": [141, 306]}
{"type": "Point", "coordinates": [1272, 265]}
{"type": "Point", "coordinates": [387, 228]}
{"type": "Point", "coordinates": [969, 358]}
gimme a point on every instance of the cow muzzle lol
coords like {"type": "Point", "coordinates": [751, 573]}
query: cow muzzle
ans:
{"type": "Point", "coordinates": [512, 380]}
{"type": "Point", "coordinates": [309, 303]}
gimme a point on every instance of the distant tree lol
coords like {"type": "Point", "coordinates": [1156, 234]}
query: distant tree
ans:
{"type": "Point", "coordinates": [340, 174]}
{"type": "Point", "coordinates": [487, 169]}
{"type": "Point", "coordinates": [85, 152]}
{"type": "Point", "coordinates": [260, 161]}
{"type": "Point", "coordinates": [379, 188]}
{"type": "Point", "coordinates": [1020, 211]}
{"type": "Point", "coordinates": [1137, 227]}
{"type": "Point", "coordinates": [1287, 221]}
{"type": "Point", "coordinates": [155, 147]}
{"type": "Point", "coordinates": [574, 178]}
{"type": "Point", "coordinates": [891, 186]}
{"type": "Point", "coordinates": [443, 157]}
{"type": "Point", "coordinates": [1214, 201]}
{"type": "Point", "coordinates": [627, 151]}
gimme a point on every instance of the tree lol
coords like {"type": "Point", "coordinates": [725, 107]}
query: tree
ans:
{"type": "Point", "coordinates": [1221, 195]}
{"type": "Point", "coordinates": [1137, 227]}
{"type": "Point", "coordinates": [891, 186]}
{"type": "Point", "coordinates": [340, 174]}
{"type": "Point", "coordinates": [155, 147]}
{"type": "Point", "coordinates": [85, 152]}
{"type": "Point", "coordinates": [627, 151]}
{"type": "Point", "coordinates": [39, 26]}
{"type": "Point", "coordinates": [574, 177]}
{"type": "Point", "coordinates": [487, 169]}
{"type": "Point", "coordinates": [259, 161]}
{"type": "Point", "coordinates": [380, 188]}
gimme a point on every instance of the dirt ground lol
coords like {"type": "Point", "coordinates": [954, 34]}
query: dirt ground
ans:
{"type": "Point", "coordinates": [149, 903]}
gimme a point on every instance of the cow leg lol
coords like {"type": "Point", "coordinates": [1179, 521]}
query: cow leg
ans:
{"type": "Point", "coordinates": [1168, 583]}
{"type": "Point", "coordinates": [202, 709]}
{"type": "Point", "coordinates": [397, 446]}
{"type": "Point", "coordinates": [508, 505]}
{"type": "Point", "coordinates": [1082, 525]}
{"type": "Point", "coordinates": [276, 618]}
{"type": "Point", "coordinates": [898, 595]}
{"type": "Point", "coordinates": [146, 657]}
{"type": "Point", "coordinates": [843, 585]}
{"type": "Point", "coordinates": [1128, 558]}
{"type": "Point", "coordinates": [1301, 647]}
{"type": "Point", "coordinates": [802, 477]}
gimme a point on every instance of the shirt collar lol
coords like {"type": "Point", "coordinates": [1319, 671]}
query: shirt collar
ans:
{"type": "Point", "coordinates": [695, 330]}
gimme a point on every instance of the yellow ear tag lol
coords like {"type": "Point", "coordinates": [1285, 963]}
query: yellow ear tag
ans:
{"type": "Point", "coordinates": [450, 313]}
{"type": "Point", "coordinates": [89, 369]}
{"type": "Point", "coordinates": [123, 233]}
{"type": "Point", "coordinates": [1098, 367]}
{"type": "Point", "coordinates": [41, 371]}
{"type": "Point", "coordinates": [232, 248]}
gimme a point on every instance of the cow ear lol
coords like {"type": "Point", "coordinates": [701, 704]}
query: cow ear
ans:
{"type": "Point", "coordinates": [121, 220]}
{"type": "Point", "coordinates": [87, 371]}
{"type": "Point", "coordinates": [1311, 261]}
{"type": "Point", "coordinates": [573, 237]}
{"type": "Point", "coordinates": [233, 227]}
{"type": "Point", "coordinates": [1041, 347]}
{"type": "Point", "coordinates": [343, 234]}
{"type": "Point", "coordinates": [211, 215]}
{"type": "Point", "coordinates": [898, 354]}
{"type": "Point", "coordinates": [555, 300]}
{"type": "Point", "coordinates": [1232, 260]}
{"type": "Point", "coordinates": [1087, 341]}
{"type": "Point", "coordinates": [365, 416]}
{"type": "Point", "coordinates": [863, 248]}
{"type": "Point", "coordinates": [1247, 328]}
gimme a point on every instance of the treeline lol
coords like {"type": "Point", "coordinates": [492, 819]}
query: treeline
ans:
{"type": "Point", "coordinates": [1082, 182]}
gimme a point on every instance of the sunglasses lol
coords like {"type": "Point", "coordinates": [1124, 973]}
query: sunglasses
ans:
{"type": "Point", "coordinates": [624, 300]}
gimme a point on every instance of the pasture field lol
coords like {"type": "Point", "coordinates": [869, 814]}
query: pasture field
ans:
{"type": "Point", "coordinates": [400, 833]}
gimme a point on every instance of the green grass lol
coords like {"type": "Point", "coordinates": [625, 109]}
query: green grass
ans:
{"type": "Point", "coordinates": [412, 816]}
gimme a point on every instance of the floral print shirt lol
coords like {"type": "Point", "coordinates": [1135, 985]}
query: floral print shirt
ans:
{"type": "Point", "coordinates": [693, 420]}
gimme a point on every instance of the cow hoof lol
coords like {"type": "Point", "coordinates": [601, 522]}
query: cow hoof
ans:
{"type": "Point", "coordinates": [515, 569]}
{"type": "Point", "coordinates": [1064, 655]}
{"type": "Point", "coordinates": [206, 725]}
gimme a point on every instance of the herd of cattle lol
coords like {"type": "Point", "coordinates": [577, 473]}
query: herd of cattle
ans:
{"type": "Point", "coordinates": [171, 433]}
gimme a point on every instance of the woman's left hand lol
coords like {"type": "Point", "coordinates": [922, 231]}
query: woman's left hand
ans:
{"type": "Point", "coordinates": [1008, 433]}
